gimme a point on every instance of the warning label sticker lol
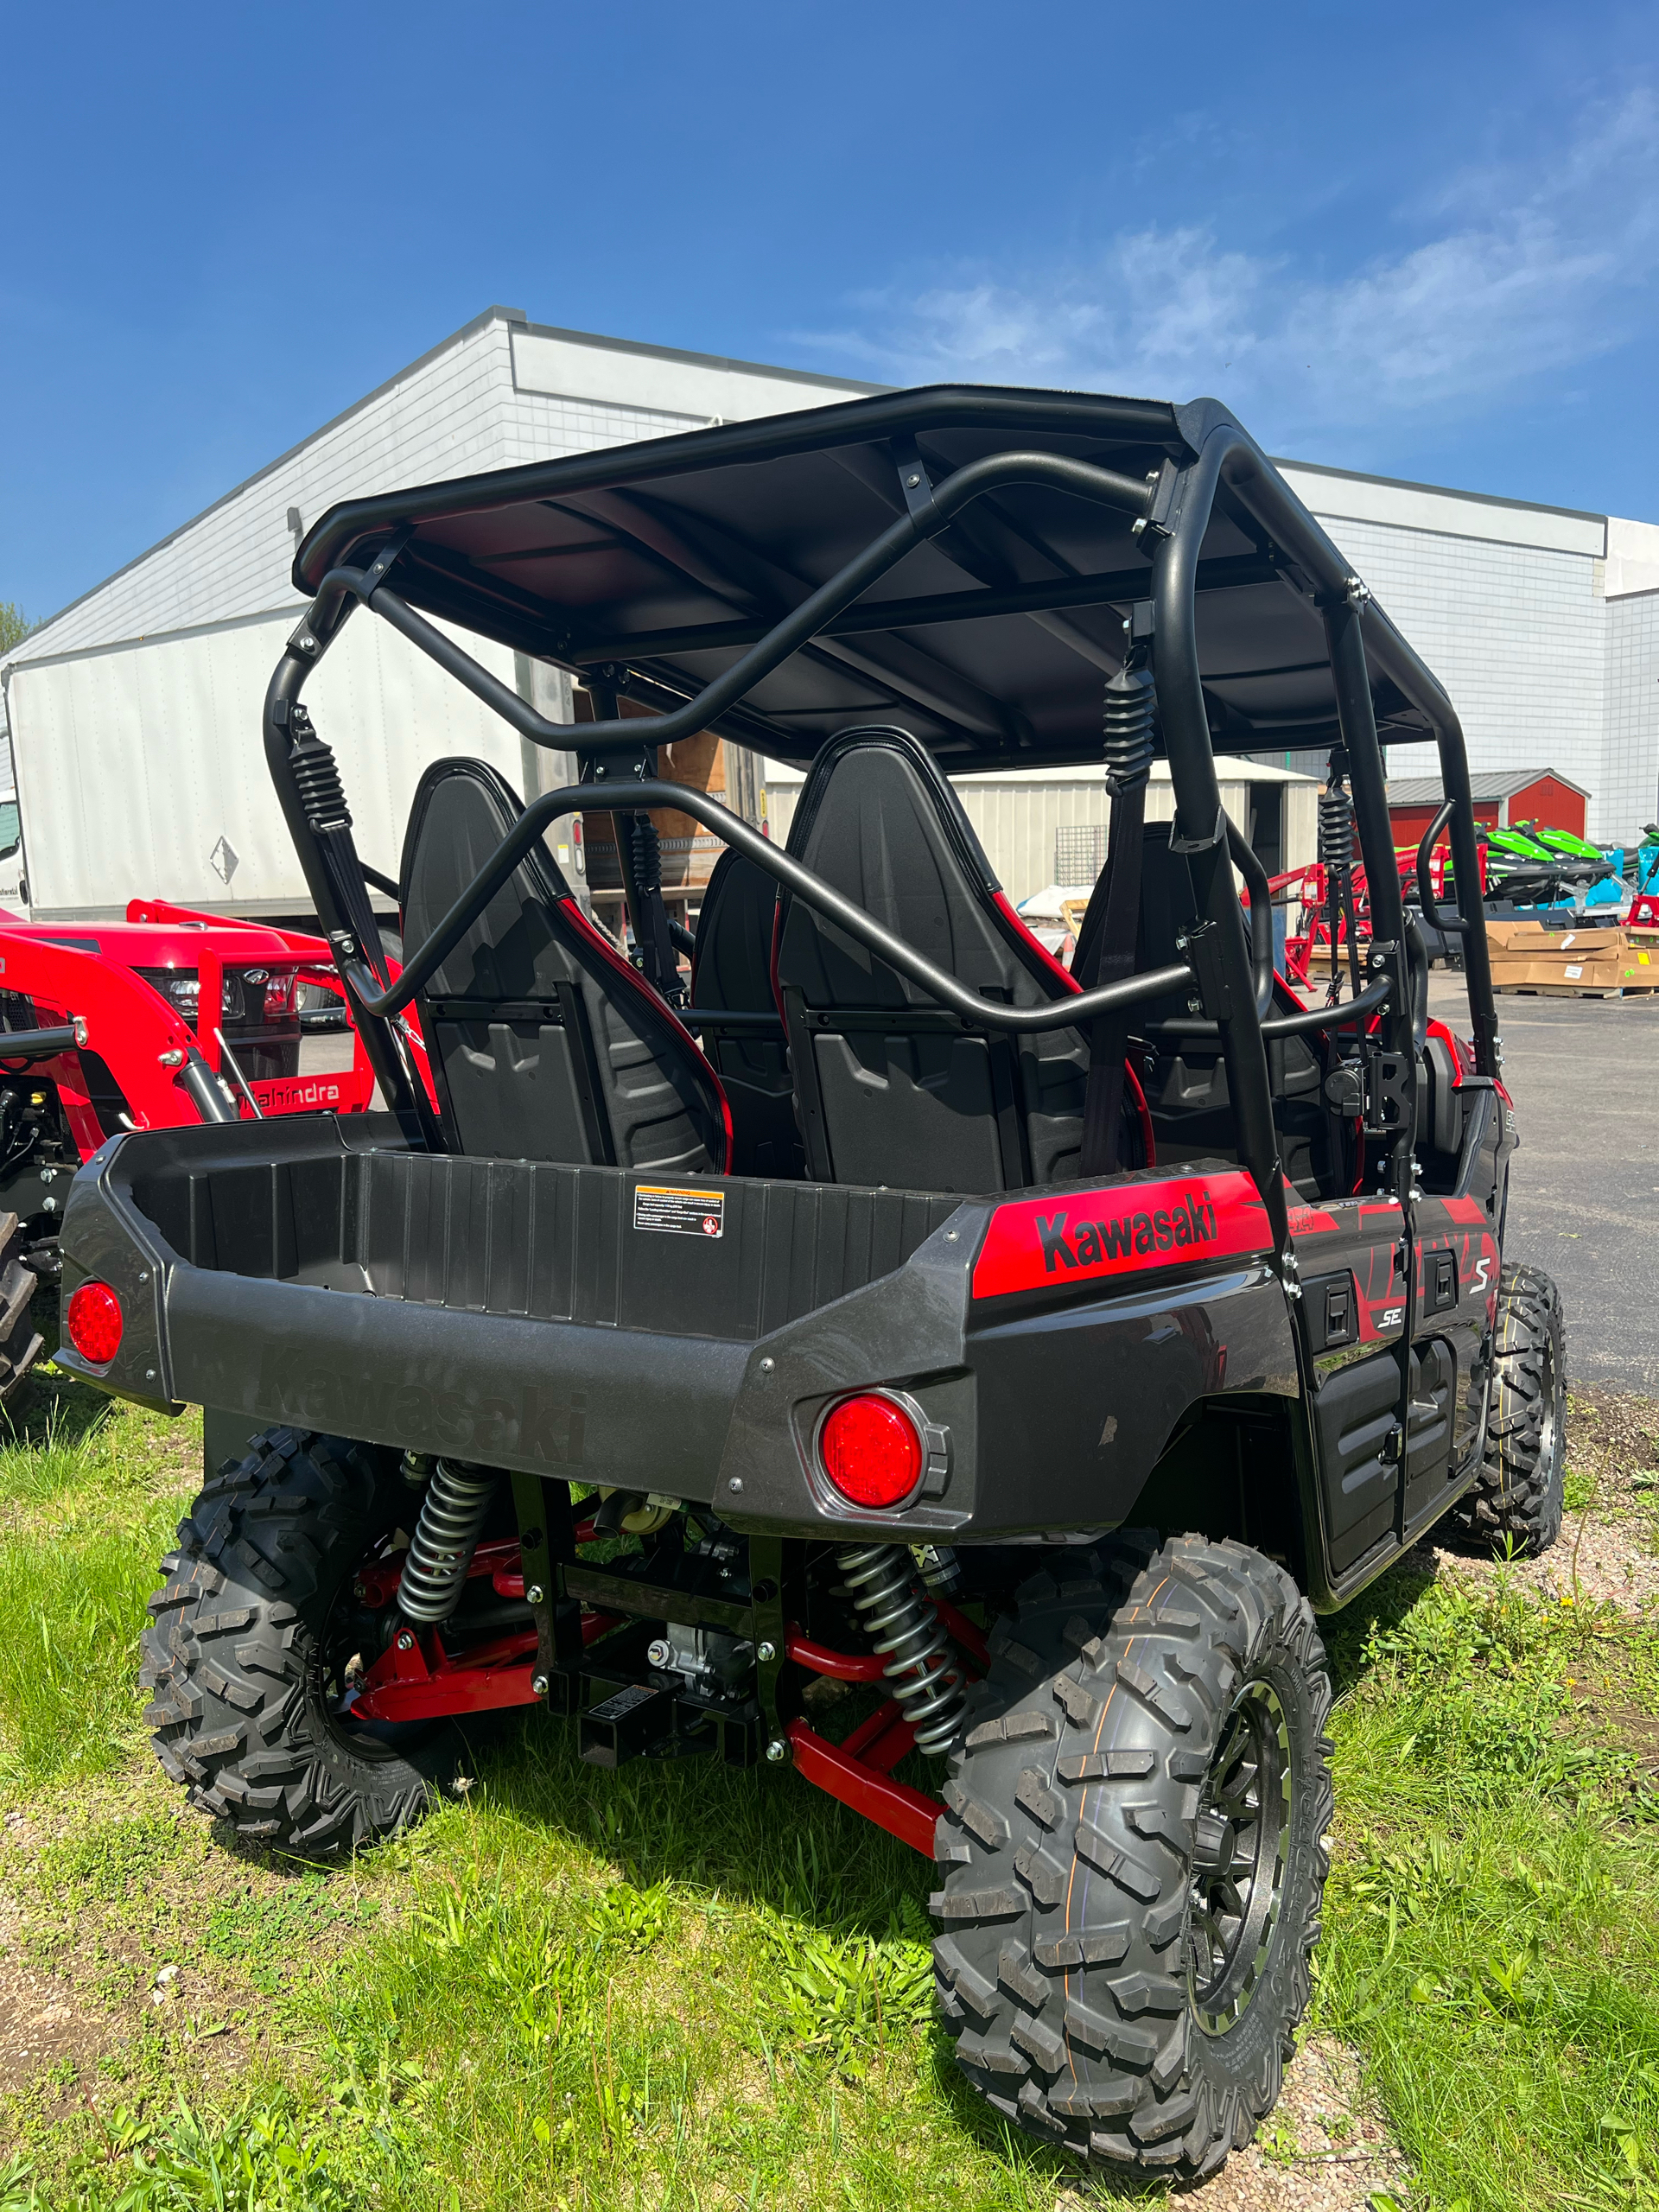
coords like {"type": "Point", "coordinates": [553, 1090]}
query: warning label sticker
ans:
{"type": "Point", "coordinates": [682, 1213]}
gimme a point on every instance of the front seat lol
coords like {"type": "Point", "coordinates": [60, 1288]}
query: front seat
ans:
{"type": "Point", "coordinates": [544, 1043]}
{"type": "Point", "coordinates": [892, 1088]}
{"type": "Point", "coordinates": [1187, 1093]}
{"type": "Point", "coordinates": [731, 972]}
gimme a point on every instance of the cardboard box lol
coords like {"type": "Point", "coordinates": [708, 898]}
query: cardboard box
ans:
{"type": "Point", "coordinates": [1529, 940]}
{"type": "Point", "coordinates": [1576, 975]}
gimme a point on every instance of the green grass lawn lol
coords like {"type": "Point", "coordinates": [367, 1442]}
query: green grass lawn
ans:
{"type": "Point", "coordinates": [678, 1986]}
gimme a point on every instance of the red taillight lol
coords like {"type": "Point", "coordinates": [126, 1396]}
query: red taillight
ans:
{"type": "Point", "coordinates": [94, 1323]}
{"type": "Point", "coordinates": [870, 1451]}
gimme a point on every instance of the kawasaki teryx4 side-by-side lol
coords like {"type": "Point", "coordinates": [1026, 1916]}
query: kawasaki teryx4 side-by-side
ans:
{"type": "Point", "coordinates": [1036, 1352]}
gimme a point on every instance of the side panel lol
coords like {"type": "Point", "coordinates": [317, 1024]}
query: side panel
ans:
{"type": "Point", "coordinates": [1458, 1262]}
{"type": "Point", "coordinates": [1351, 1253]}
{"type": "Point", "coordinates": [1356, 1418]}
{"type": "Point", "coordinates": [1076, 1405]}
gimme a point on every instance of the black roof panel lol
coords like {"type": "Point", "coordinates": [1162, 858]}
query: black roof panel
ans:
{"type": "Point", "coordinates": [666, 559]}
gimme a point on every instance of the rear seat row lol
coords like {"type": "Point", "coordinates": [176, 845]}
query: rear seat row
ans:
{"type": "Point", "coordinates": [547, 1045]}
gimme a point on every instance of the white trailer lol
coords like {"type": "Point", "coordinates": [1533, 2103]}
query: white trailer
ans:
{"type": "Point", "coordinates": [140, 768]}
{"type": "Point", "coordinates": [134, 713]}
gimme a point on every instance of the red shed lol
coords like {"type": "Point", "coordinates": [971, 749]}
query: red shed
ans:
{"type": "Point", "coordinates": [1524, 794]}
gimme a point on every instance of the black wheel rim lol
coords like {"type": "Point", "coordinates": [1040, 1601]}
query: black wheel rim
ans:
{"type": "Point", "coordinates": [1239, 1869]}
{"type": "Point", "coordinates": [1550, 1422]}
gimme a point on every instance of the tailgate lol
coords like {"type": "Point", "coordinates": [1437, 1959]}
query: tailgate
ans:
{"type": "Point", "coordinates": [680, 1336]}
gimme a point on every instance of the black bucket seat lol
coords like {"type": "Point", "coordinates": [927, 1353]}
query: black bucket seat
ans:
{"type": "Point", "coordinates": [731, 972]}
{"type": "Point", "coordinates": [1186, 1088]}
{"type": "Point", "coordinates": [892, 1088]}
{"type": "Point", "coordinates": [544, 1043]}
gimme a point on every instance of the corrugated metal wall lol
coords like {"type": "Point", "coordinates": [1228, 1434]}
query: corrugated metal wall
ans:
{"type": "Point", "coordinates": [1016, 819]}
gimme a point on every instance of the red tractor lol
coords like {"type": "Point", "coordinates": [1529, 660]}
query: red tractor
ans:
{"type": "Point", "coordinates": [105, 1033]}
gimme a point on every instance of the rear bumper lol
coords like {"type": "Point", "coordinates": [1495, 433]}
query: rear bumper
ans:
{"type": "Point", "coordinates": [530, 1316]}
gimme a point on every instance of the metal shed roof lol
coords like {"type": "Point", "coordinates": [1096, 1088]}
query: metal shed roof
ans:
{"type": "Point", "coordinates": [1427, 791]}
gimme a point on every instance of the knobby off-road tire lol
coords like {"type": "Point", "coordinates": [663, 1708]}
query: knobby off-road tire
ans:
{"type": "Point", "coordinates": [1134, 1841]}
{"type": "Point", "coordinates": [21, 1341]}
{"type": "Point", "coordinates": [250, 1632]}
{"type": "Point", "coordinates": [1520, 1492]}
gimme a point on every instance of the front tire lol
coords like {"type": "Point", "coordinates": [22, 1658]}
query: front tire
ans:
{"type": "Point", "coordinates": [253, 1632]}
{"type": "Point", "coordinates": [1135, 1844]}
{"type": "Point", "coordinates": [1520, 1494]}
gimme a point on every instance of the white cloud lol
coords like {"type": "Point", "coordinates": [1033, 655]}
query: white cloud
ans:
{"type": "Point", "coordinates": [1519, 272]}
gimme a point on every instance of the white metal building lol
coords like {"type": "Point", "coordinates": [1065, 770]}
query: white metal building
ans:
{"type": "Point", "coordinates": [1021, 816]}
{"type": "Point", "coordinates": [1542, 622]}
{"type": "Point", "coordinates": [134, 714]}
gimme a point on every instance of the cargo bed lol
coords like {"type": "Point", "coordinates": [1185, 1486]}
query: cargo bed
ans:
{"type": "Point", "coordinates": [615, 1327]}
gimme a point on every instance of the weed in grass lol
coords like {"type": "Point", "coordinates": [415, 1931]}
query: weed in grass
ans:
{"type": "Point", "coordinates": [113, 1862]}
{"type": "Point", "coordinates": [1580, 1490]}
{"type": "Point", "coordinates": [844, 1996]}
{"type": "Point", "coordinates": [1276, 2140]}
{"type": "Point", "coordinates": [270, 1940]}
{"type": "Point", "coordinates": [268, 2157]}
{"type": "Point", "coordinates": [17, 2189]}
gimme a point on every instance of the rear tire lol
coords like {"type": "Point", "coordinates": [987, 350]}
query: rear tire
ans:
{"type": "Point", "coordinates": [250, 1631]}
{"type": "Point", "coordinates": [21, 1342]}
{"type": "Point", "coordinates": [1135, 1844]}
{"type": "Point", "coordinates": [1520, 1491]}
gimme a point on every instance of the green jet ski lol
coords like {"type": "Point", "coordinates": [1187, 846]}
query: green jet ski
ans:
{"type": "Point", "coordinates": [1569, 846]}
{"type": "Point", "coordinates": [1529, 867]}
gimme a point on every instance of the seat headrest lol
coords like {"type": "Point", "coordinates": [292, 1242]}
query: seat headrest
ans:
{"type": "Point", "coordinates": [509, 951]}
{"type": "Point", "coordinates": [879, 821]}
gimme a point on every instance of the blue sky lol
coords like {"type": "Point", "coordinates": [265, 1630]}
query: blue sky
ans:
{"type": "Point", "coordinates": [1420, 240]}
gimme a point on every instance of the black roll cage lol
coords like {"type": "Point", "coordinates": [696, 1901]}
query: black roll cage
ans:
{"type": "Point", "coordinates": [1232, 975]}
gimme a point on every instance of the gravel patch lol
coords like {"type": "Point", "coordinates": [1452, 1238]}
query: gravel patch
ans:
{"type": "Point", "coordinates": [1323, 2148]}
{"type": "Point", "coordinates": [1608, 1550]}
{"type": "Point", "coordinates": [46, 2027]}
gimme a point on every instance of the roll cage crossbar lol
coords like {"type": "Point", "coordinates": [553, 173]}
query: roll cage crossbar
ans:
{"type": "Point", "coordinates": [1172, 507]}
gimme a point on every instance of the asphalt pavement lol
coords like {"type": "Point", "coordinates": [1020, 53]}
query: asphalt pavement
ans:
{"type": "Point", "coordinates": [1583, 1185]}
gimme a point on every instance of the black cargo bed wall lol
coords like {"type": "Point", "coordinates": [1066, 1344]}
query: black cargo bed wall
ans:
{"type": "Point", "coordinates": [544, 1241]}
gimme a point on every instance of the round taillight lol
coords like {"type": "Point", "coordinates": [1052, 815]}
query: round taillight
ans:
{"type": "Point", "coordinates": [94, 1324]}
{"type": "Point", "coordinates": [869, 1449]}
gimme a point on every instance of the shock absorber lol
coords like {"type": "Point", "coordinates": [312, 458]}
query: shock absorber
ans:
{"type": "Point", "coordinates": [1336, 829]}
{"type": "Point", "coordinates": [446, 1536]}
{"type": "Point", "coordinates": [1126, 723]}
{"type": "Point", "coordinates": [647, 855]}
{"type": "Point", "coordinates": [1337, 854]}
{"type": "Point", "coordinates": [906, 1632]}
{"type": "Point", "coordinates": [317, 774]}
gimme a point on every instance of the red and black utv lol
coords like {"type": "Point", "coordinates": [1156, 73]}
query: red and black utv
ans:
{"type": "Point", "coordinates": [1042, 1350]}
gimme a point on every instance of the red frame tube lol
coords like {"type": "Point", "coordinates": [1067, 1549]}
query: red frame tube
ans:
{"type": "Point", "coordinates": [903, 1812]}
{"type": "Point", "coordinates": [420, 1682]}
{"type": "Point", "coordinates": [841, 1666]}
{"type": "Point", "coordinates": [381, 1579]}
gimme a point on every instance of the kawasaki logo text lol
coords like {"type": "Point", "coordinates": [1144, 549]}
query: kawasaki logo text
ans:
{"type": "Point", "coordinates": [1163, 1228]}
{"type": "Point", "coordinates": [1153, 1222]}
